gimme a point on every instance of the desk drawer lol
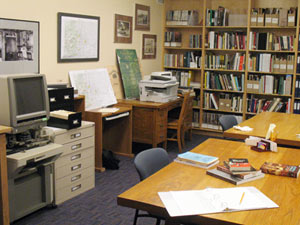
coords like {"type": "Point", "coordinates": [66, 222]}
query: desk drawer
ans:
{"type": "Point", "coordinates": [74, 189]}
{"type": "Point", "coordinates": [74, 135]}
{"type": "Point", "coordinates": [143, 124]}
{"type": "Point", "coordinates": [74, 167]}
{"type": "Point", "coordinates": [78, 145]}
{"type": "Point", "coordinates": [74, 178]}
{"type": "Point", "coordinates": [74, 157]}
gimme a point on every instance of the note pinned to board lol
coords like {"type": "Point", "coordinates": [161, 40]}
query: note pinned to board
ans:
{"type": "Point", "coordinates": [95, 85]}
{"type": "Point", "coordinates": [214, 200]}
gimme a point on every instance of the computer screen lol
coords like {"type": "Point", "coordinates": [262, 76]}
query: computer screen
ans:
{"type": "Point", "coordinates": [25, 101]}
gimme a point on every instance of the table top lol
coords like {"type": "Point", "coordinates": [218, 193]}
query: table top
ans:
{"type": "Point", "coordinates": [282, 190]}
{"type": "Point", "coordinates": [121, 109]}
{"type": "Point", "coordinates": [287, 126]}
{"type": "Point", "coordinates": [137, 103]}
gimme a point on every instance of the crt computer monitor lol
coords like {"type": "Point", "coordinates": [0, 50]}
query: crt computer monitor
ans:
{"type": "Point", "coordinates": [24, 101]}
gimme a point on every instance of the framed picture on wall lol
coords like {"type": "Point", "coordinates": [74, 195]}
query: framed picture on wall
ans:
{"type": "Point", "coordinates": [78, 38]}
{"type": "Point", "coordinates": [149, 46]}
{"type": "Point", "coordinates": [123, 29]}
{"type": "Point", "coordinates": [19, 46]}
{"type": "Point", "coordinates": [142, 17]}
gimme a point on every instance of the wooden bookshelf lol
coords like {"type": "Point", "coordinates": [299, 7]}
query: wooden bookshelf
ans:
{"type": "Point", "coordinates": [235, 7]}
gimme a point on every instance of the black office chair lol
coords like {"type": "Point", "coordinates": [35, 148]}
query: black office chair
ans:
{"type": "Point", "coordinates": [227, 121]}
{"type": "Point", "coordinates": [147, 163]}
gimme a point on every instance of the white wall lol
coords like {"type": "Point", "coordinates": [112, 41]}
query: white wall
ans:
{"type": "Point", "coordinates": [45, 11]}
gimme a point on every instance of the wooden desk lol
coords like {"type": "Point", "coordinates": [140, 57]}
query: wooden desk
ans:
{"type": "Point", "coordinates": [114, 135]}
{"type": "Point", "coordinates": [150, 120]}
{"type": "Point", "coordinates": [287, 126]}
{"type": "Point", "coordinates": [4, 204]}
{"type": "Point", "coordinates": [282, 190]}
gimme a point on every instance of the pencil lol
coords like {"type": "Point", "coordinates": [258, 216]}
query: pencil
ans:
{"type": "Point", "coordinates": [242, 197]}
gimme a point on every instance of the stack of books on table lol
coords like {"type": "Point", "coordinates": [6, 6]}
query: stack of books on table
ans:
{"type": "Point", "coordinates": [197, 159]}
{"type": "Point", "coordinates": [236, 171]}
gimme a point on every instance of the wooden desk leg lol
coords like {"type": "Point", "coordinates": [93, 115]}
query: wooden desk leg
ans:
{"type": "Point", "coordinates": [4, 204]}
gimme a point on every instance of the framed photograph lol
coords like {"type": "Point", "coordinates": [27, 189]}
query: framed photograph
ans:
{"type": "Point", "coordinates": [78, 38]}
{"type": "Point", "coordinates": [19, 46]}
{"type": "Point", "coordinates": [123, 29]}
{"type": "Point", "coordinates": [149, 46]}
{"type": "Point", "coordinates": [142, 17]}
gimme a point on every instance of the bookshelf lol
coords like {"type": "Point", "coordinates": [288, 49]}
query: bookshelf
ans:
{"type": "Point", "coordinates": [244, 66]}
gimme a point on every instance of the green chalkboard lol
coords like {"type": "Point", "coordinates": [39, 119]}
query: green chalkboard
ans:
{"type": "Point", "coordinates": [130, 72]}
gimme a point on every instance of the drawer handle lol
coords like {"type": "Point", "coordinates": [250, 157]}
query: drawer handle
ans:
{"type": "Point", "coordinates": [77, 135]}
{"type": "Point", "coordinates": [66, 97]}
{"type": "Point", "coordinates": [77, 177]}
{"type": "Point", "coordinates": [76, 187]}
{"type": "Point", "coordinates": [52, 100]}
{"type": "Point", "coordinates": [74, 157]}
{"type": "Point", "coordinates": [74, 147]}
{"type": "Point", "coordinates": [75, 122]}
{"type": "Point", "coordinates": [76, 167]}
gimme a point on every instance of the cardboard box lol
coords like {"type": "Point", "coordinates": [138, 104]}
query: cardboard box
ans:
{"type": "Point", "coordinates": [225, 104]}
{"type": "Point", "coordinates": [290, 66]}
{"type": "Point", "coordinates": [275, 20]}
{"type": "Point", "coordinates": [260, 19]}
{"type": "Point", "coordinates": [282, 67]}
{"type": "Point", "coordinates": [253, 20]}
{"type": "Point", "coordinates": [268, 20]}
{"type": "Point", "coordinates": [276, 65]}
{"type": "Point", "coordinates": [291, 19]}
{"type": "Point", "coordinates": [253, 86]}
{"type": "Point", "coordinates": [283, 17]}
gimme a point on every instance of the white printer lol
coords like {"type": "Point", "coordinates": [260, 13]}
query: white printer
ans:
{"type": "Point", "coordinates": [158, 87]}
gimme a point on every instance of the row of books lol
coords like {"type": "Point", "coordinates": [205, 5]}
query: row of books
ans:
{"type": "Point", "coordinates": [266, 62]}
{"type": "Point", "coordinates": [182, 17]}
{"type": "Point", "coordinates": [271, 41]}
{"type": "Point", "coordinates": [220, 81]}
{"type": "Point", "coordinates": [255, 105]}
{"type": "Point", "coordinates": [273, 17]}
{"type": "Point", "coordinates": [298, 64]}
{"type": "Point", "coordinates": [188, 59]}
{"type": "Point", "coordinates": [172, 38]}
{"type": "Point", "coordinates": [195, 122]}
{"type": "Point", "coordinates": [224, 102]}
{"type": "Point", "coordinates": [195, 41]}
{"type": "Point", "coordinates": [297, 107]}
{"type": "Point", "coordinates": [218, 17]}
{"type": "Point", "coordinates": [268, 84]}
{"type": "Point", "coordinates": [226, 40]}
{"type": "Point", "coordinates": [297, 88]}
{"type": "Point", "coordinates": [227, 61]}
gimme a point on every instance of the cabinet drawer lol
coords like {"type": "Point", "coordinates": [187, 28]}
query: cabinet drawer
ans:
{"type": "Point", "coordinates": [74, 135]}
{"type": "Point", "coordinates": [74, 189]}
{"type": "Point", "coordinates": [74, 167]}
{"type": "Point", "coordinates": [79, 145]}
{"type": "Point", "coordinates": [74, 157]}
{"type": "Point", "coordinates": [74, 178]}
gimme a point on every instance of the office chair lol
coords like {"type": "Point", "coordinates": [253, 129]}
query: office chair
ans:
{"type": "Point", "coordinates": [147, 163]}
{"type": "Point", "coordinates": [183, 124]}
{"type": "Point", "coordinates": [227, 121]}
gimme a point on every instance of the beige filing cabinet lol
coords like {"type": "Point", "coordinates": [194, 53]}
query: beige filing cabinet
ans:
{"type": "Point", "coordinates": [75, 168]}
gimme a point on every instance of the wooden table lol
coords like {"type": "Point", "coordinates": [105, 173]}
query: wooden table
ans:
{"type": "Point", "coordinates": [4, 204]}
{"type": "Point", "coordinates": [150, 120]}
{"type": "Point", "coordinates": [287, 125]}
{"type": "Point", "coordinates": [282, 190]}
{"type": "Point", "coordinates": [114, 135]}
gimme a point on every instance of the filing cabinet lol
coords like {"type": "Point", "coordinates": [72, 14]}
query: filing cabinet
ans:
{"type": "Point", "coordinates": [74, 170]}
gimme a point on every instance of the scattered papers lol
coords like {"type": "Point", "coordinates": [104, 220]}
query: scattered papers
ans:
{"type": "Point", "coordinates": [108, 110]}
{"type": "Point", "coordinates": [244, 128]}
{"type": "Point", "coordinates": [214, 200]}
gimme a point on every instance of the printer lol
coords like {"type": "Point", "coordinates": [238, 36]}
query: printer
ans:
{"type": "Point", "coordinates": [158, 87]}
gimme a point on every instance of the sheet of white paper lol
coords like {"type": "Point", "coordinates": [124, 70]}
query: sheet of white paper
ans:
{"type": "Point", "coordinates": [95, 85]}
{"type": "Point", "coordinates": [214, 200]}
{"type": "Point", "coordinates": [108, 110]}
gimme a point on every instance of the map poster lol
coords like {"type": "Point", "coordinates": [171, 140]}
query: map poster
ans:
{"type": "Point", "coordinates": [95, 85]}
{"type": "Point", "coordinates": [78, 38]}
{"type": "Point", "coordinates": [130, 72]}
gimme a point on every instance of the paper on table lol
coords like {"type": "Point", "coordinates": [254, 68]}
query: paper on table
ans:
{"type": "Point", "coordinates": [214, 200]}
{"type": "Point", "coordinates": [244, 128]}
{"type": "Point", "coordinates": [108, 110]}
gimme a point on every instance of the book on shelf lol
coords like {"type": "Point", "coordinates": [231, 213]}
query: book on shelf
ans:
{"type": "Point", "coordinates": [218, 17]}
{"type": "Point", "coordinates": [231, 179]}
{"type": "Point", "coordinates": [226, 40]}
{"type": "Point", "coordinates": [182, 17]}
{"type": "Point", "coordinates": [258, 105]}
{"type": "Point", "coordinates": [172, 39]}
{"type": "Point", "coordinates": [221, 81]}
{"type": "Point", "coordinates": [228, 61]}
{"type": "Point", "coordinates": [195, 41]}
{"type": "Point", "coordinates": [280, 169]}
